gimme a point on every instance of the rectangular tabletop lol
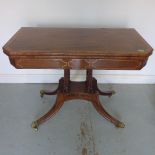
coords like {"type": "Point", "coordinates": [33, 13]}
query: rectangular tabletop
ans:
{"type": "Point", "coordinates": [77, 48]}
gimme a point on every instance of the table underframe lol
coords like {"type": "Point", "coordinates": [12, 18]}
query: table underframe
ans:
{"type": "Point", "coordinates": [69, 90]}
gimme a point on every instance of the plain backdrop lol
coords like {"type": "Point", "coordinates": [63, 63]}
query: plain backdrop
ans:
{"type": "Point", "coordinates": [138, 14]}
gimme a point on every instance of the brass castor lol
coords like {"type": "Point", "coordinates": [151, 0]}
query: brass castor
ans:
{"type": "Point", "coordinates": [42, 93]}
{"type": "Point", "coordinates": [34, 126]}
{"type": "Point", "coordinates": [112, 93]}
{"type": "Point", "coordinates": [120, 125]}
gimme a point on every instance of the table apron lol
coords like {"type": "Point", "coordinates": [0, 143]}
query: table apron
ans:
{"type": "Point", "coordinates": [105, 64]}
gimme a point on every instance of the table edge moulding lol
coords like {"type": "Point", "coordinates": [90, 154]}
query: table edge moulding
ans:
{"type": "Point", "coordinates": [80, 49]}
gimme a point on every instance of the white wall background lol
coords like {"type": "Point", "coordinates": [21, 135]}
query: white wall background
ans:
{"type": "Point", "coordinates": [139, 14]}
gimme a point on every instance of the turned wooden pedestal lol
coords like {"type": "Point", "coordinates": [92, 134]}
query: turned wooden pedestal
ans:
{"type": "Point", "coordinates": [69, 90]}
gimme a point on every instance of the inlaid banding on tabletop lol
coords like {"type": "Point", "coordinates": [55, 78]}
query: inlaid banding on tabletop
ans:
{"type": "Point", "coordinates": [41, 63]}
{"type": "Point", "coordinates": [78, 48]}
{"type": "Point", "coordinates": [78, 63]}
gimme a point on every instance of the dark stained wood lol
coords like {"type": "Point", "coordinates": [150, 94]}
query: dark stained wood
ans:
{"type": "Point", "coordinates": [58, 104]}
{"type": "Point", "coordinates": [89, 79]}
{"type": "Point", "coordinates": [134, 63]}
{"type": "Point", "coordinates": [66, 80]}
{"type": "Point", "coordinates": [78, 90]}
{"type": "Point", "coordinates": [78, 48]}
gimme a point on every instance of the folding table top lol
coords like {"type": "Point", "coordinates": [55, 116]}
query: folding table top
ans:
{"type": "Point", "coordinates": [77, 43]}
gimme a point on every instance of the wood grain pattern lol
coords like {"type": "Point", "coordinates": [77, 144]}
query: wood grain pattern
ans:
{"type": "Point", "coordinates": [78, 48]}
{"type": "Point", "coordinates": [78, 64]}
{"type": "Point", "coordinates": [69, 90]}
{"type": "Point", "coordinates": [82, 48]}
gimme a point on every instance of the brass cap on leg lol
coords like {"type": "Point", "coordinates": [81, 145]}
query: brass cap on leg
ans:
{"type": "Point", "coordinates": [112, 93]}
{"type": "Point", "coordinates": [34, 126]}
{"type": "Point", "coordinates": [42, 93]}
{"type": "Point", "coordinates": [120, 125]}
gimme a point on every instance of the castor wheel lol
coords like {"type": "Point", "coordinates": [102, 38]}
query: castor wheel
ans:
{"type": "Point", "coordinates": [120, 125]}
{"type": "Point", "coordinates": [42, 93]}
{"type": "Point", "coordinates": [34, 126]}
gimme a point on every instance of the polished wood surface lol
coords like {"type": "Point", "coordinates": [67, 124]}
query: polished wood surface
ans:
{"type": "Point", "coordinates": [78, 48]}
{"type": "Point", "coordinates": [87, 90]}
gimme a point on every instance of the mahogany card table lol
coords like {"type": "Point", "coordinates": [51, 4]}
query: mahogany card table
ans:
{"type": "Point", "coordinates": [80, 49]}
